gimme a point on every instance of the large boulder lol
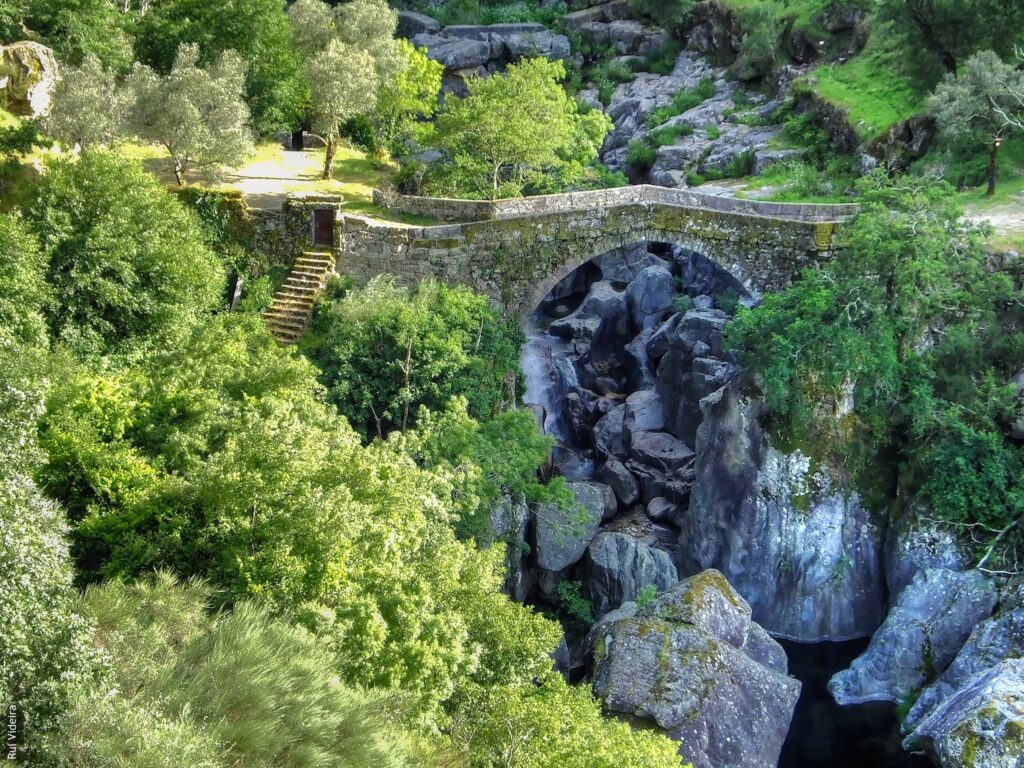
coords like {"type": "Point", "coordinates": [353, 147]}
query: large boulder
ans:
{"type": "Point", "coordinates": [694, 663]}
{"type": "Point", "coordinates": [561, 536]}
{"type": "Point", "coordinates": [617, 566]}
{"type": "Point", "coordinates": [982, 724]}
{"type": "Point", "coordinates": [803, 550]}
{"type": "Point", "coordinates": [650, 296]}
{"type": "Point", "coordinates": [994, 640]}
{"type": "Point", "coordinates": [660, 451]}
{"type": "Point", "coordinates": [931, 620]}
{"type": "Point", "coordinates": [28, 75]}
{"type": "Point", "coordinates": [622, 482]}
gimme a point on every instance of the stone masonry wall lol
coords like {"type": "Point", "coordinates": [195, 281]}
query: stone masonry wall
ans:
{"type": "Point", "coordinates": [444, 209]}
{"type": "Point", "coordinates": [516, 258]}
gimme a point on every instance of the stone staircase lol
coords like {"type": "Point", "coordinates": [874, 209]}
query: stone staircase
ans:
{"type": "Point", "coordinates": [292, 308]}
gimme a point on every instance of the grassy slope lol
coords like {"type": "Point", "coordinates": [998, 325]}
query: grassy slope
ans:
{"type": "Point", "coordinates": [872, 87]}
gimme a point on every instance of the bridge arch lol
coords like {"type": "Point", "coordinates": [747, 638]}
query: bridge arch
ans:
{"type": "Point", "coordinates": [537, 294]}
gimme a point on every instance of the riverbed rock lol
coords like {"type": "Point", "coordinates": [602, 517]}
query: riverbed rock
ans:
{"type": "Point", "coordinates": [982, 724]}
{"type": "Point", "coordinates": [993, 640]}
{"type": "Point", "coordinates": [929, 623]}
{"type": "Point", "coordinates": [802, 550]}
{"type": "Point", "coordinates": [650, 296]}
{"type": "Point", "coordinates": [28, 75]}
{"type": "Point", "coordinates": [608, 433]}
{"type": "Point", "coordinates": [617, 566]}
{"type": "Point", "coordinates": [621, 481]}
{"type": "Point", "coordinates": [561, 537]}
{"type": "Point", "coordinates": [659, 450]}
{"type": "Point", "coordinates": [411, 23]}
{"type": "Point", "coordinates": [644, 413]}
{"type": "Point", "coordinates": [683, 663]}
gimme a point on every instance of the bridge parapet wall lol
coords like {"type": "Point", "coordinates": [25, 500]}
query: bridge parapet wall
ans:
{"type": "Point", "coordinates": [445, 209]}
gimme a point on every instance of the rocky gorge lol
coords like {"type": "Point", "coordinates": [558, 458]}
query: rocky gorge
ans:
{"type": "Point", "coordinates": [702, 540]}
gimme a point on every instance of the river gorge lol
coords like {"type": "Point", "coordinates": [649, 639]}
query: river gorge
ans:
{"type": "Point", "coordinates": [661, 438]}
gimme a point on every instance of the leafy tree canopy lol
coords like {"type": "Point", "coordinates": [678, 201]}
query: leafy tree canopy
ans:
{"type": "Point", "coordinates": [76, 28]}
{"type": "Point", "coordinates": [126, 262]}
{"type": "Point", "coordinates": [257, 30]}
{"type": "Point", "coordinates": [24, 292]}
{"type": "Point", "coordinates": [87, 108]}
{"type": "Point", "coordinates": [512, 127]}
{"type": "Point", "coordinates": [389, 350]}
{"type": "Point", "coordinates": [196, 113]}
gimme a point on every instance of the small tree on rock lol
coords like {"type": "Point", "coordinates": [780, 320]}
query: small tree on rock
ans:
{"type": "Point", "coordinates": [981, 104]}
{"type": "Point", "coordinates": [198, 114]}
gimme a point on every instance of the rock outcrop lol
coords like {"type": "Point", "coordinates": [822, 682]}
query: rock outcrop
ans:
{"type": "Point", "coordinates": [982, 724]}
{"type": "Point", "coordinates": [28, 75]}
{"type": "Point", "coordinates": [693, 663]}
{"type": "Point", "coordinates": [806, 554]}
{"type": "Point", "coordinates": [561, 537]}
{"type": "Point", "coordinates": [991, 642]}
{"type": "Point", "coordinates": [618, 566]}
{"type": "Point", "coordinates": [467, 51]}
{"type": "Point", "coordinates": [925, 629]}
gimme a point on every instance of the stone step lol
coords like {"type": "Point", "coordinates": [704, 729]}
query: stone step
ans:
{"type": "Point", "coordinates": [319, 263]}
{"type": "Point", "coordinates": [289, 316]}
{"type": "Point", "coordinates": [287, 305]}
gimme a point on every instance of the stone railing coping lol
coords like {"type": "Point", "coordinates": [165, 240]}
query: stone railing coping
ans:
{"type": "Point", "coordinates": [465, 211]}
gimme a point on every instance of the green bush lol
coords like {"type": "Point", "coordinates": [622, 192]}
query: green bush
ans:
{"type": "Point", "coordinates": [713, 132]}
{"type": "Point", "coordinates": [667, 134]}
{"type": "Point", "coordinates": [389, 350]}
{"type": "Point", "coordinates": [577, 607]}
{"type": "Point", "coordinates": [640, 156]}
{"type": "Point", "coordinates": [662, 60]}
{"type": "Point", "coordinates": [694, 179]}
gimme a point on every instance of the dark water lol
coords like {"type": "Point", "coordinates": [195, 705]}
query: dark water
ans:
{"type": "Point", "coordinates": [827, 735]}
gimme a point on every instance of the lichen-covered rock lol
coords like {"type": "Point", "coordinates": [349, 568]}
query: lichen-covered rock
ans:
{"type": "Point", "coordinates": [617, 566]}
{"type": "Point", "coordinates": [561, 537]}
{"type": "Point", "coordinates": [28, 75]}
{"type": "Point", "coordinates": [992, 641]}
{"type": "Point", "coordinates": [982, 724]}
{"type": "Point", "coordinates": [693, 663]}
{"type": "Point", "coordinates": [803, 552]}
{"type": "Point", "coordinates": [929, 623]}
{"type": "Point", "coordinates": [913, 545]}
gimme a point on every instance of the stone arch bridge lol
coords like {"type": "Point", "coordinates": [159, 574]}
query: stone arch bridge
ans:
{"type": "Point", "coordinates": [516, 250]}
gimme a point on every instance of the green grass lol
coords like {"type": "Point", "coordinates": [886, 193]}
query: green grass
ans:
{"type": "Point", "coordinates": [873, 88]}
{"type": "Point", "coordinates": [7, 120]}
{"type": "Point", "coordinates": [1005, 208]}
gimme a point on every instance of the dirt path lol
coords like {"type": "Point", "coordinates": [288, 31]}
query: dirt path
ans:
{"type": "Point", "coordinates": [270, 178]}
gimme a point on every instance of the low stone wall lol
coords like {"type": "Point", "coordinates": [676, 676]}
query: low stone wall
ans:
{"type": "Point", "coordinates": [444, 209]}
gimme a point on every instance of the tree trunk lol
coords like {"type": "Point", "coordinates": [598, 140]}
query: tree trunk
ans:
{"type": "Point", "coordinates": [993, 168]}
{"type": "Point", "coordinates": [179, 172]}
{"type": "Point", "coordinates": [332, 147]}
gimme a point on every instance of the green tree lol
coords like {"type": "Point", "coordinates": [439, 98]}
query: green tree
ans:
{"type": "Point", "coordinates": [513, 126]}
{"type": "Point", "coordinates": [23, 290]}
{"type": "Point", "coordinates": [951, 30]}
{"type": "Point", "coordinates": [44, 648]}
{"type": "Point", "coordinates": [126, 262]}
{"type": "Point", "coordinates": [389, 350]}
{"type": "Point", "coordinates": [76, 28]}
{"type": "Point", "coordinates": [197, 114]}
{"type": "Point", "coordinates": [980, 105]}
{"type": "Point", "coordinates": [240, 689]}
{"type": "Point", "coordinates": [407, 100]}
{"type": "Point", "coordinates": [550, 724]}
{"type": "Point", "coordinates": [351, 53]}
{"type": "Point", "coordinates": [88, 107]}
{"type": "Point", "coordinates": [257, 30]}
{"type": "Point", "coordinates": [342, 85]}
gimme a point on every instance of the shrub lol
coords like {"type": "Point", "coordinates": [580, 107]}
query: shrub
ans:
{"type": "Point", "coordinates": [683, 102]}
{"type": "Point", "coordinates": [640, 156]}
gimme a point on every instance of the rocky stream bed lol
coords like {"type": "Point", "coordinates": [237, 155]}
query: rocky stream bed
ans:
{"type": "Point", "coordinates": [747, 545]}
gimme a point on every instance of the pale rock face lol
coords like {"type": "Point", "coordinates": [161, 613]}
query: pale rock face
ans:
{"type": "Point", "coordinates": [618, 566]}
{"type": "Point", "coordinates": [28, 75]}
{"type": "Point", "coordinates": [805, 554]}
{"type": "Point", "coordinates": [695, 664]}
